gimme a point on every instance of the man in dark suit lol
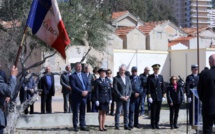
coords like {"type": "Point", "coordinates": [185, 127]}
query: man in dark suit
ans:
{"type": "Point", "coordinates": [66, 89]}
{"type": "Point", "coordinates": [123, 89]}
{"type": "Point", "coordinates": [90, 80]}
{"type": "Point", "coordinates": [144, 77]}
{"type": "Point", "coordinates": [5, 91]}
{"type": "Point", "coordinates": [156, 95]}
{"type": "Point", "coordinates": [47, 85]}
{"type": "Point", "coordinates": [27, 91]}
{"type": "Point", "coordinates": [80, 88]}
{"type": "Point", "coordinates": [192, 82]}
{"type": "Point", "coordinates": [135, 98]}
{"type": "Point", "coordinates": [206, 91]}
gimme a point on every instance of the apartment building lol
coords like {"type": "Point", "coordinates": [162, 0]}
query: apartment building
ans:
{"type": "Point", "coordinates": [186, 12]}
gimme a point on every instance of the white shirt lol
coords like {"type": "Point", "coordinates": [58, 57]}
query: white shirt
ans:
{"type": "Point", "coordinates": [123, 79]}
{"type": "Point", "coordinates": [156, 76]}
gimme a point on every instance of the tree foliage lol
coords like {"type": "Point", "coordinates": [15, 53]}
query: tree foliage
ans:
{"type": "Point", "coordinates": [147, 10]}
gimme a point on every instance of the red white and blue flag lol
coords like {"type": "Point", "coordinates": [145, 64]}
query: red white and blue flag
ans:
{"type": "Point", "coordinates": [46, 23]}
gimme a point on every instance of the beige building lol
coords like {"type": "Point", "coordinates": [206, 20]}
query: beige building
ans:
{"type": "Point", "coordinates": [186, 13]}
{"type": "Point", "coordinates": [204, 7]}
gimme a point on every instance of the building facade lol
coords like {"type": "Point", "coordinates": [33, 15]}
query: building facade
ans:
{"type": "Point", "coordinates": [186, 12]}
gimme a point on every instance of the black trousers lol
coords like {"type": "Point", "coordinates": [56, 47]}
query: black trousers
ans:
{"type": "Point", "coordinates": [155, 112]}
{"type": "Point", "coordinates": [46, 104]}
{"type": "Point", "coordinates": [1, 130]}
{"type": "Point", "coordinates": [174, 110]}
{"type": "Point", "coordinates": [66, 105]}
{"type": "Point", "coordinates": [77, 107]}
{"type": "Point", "coordinates": [113, 103]}
{"type": "Point", "coordinates": [208, 121]}
{"type": "Point", "coordinates": [89, 102]}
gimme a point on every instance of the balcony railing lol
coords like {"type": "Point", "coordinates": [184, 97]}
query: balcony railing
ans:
{"type": "Point", "coordinates": [201, 5]}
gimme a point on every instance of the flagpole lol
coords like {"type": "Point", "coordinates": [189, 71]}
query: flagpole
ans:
{"type": "Point", "coordinates": [20, 47]}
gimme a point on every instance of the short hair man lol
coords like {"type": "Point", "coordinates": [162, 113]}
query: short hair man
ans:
{"type": "Point", "coordinates": [123, 89]}
{"type": "Point", "coordinates": [90, 80]}
{"type": "Point", "coordinates": [80, 88]}
{"type": "Point", "coordinates": [206, 91]}
{"type": "Point", "coordinates": [66, 88]}
{"type": "Point", "coordinates": [144, 77]}
{"type": "Point", "coordinates": [47, 84]}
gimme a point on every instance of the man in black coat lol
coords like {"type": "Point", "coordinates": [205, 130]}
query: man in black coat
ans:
{"type": "Point", "coordinates": [47, 85]}
{"type": "Point", "coordinates": [123, 89]}
{"type": "Point", "coordinates": [66, 89]}
{"type": "Point", "coordinates": [206, 91]}
{"type": "Point", "coordinates": [156, 95]}
{"type": "Point", "coordinates": [5, 91]}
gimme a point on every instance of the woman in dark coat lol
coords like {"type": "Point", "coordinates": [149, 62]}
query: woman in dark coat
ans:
{"type": "Point", "coordinates": [103, 97]}
{"type": "Point", "coordinates": [175, 96]}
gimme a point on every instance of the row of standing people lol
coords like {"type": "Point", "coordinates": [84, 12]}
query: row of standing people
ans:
{"type": "Point", "coordinates": [154, 89]}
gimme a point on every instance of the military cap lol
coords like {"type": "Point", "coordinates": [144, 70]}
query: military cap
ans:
{"type": "Point", "coordinates": [102, 70]}
{"type": "Point", "coordinates": [134, 68]}
{"type": "Point", "coordinates": [194, 66]}
{"type": "Point", "coordinates": [156, 66]}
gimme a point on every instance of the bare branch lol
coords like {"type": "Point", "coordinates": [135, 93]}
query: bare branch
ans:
{"type": "Point", "coordinates": [84, 57]}
{"type": "Point", "coordinates": [29, 54]}
{"type": "Point", "coordinates": [37, 63]}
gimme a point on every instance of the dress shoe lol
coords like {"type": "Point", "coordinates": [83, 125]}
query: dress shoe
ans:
{"type": "Point", "coordinates": [104, 129]}
{"type": "Point", "coordinates": [117, 128]}
{"type": "Point", "coordinates": [84, 129]}
{"type": "Point", "coordinates": [127, 128]}
{"type": "Point", "coordinates": [76, 129]}
{"type": "Point", "coordinates": [101, 129]}
{"type": "Point", "coordinates": [175, 126]}
{"type": "Point", "coordinates": [171, 126]}
{"type": "Point", "coordinates": [153, 126]}
{"type": "Point", "coordinates": [157, 126]}
{"type": "Point", "coordinates": [137, 126]}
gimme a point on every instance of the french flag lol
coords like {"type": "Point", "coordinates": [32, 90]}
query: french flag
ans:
{"type": "Point", "coordinates": [46, 23]}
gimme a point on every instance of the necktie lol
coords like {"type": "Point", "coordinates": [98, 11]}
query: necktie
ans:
{"type": "Point", "coordinates": [82, 82]}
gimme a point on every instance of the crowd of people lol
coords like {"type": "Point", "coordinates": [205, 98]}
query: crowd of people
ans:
{"type": "Point", "coordinates": [124, 94]}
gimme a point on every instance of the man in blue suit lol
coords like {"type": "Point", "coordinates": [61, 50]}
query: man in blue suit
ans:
{"type": "Point", "coordinates": [80, 88]}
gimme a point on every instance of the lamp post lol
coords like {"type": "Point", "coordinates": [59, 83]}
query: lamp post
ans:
{"type": "Point", "coordinates": [197, 27]}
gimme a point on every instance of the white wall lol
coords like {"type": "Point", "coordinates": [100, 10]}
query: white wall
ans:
{"type": "Point", "coordinates": [181, 60]}
{"type": "Point", "coordinates": [141, 59]}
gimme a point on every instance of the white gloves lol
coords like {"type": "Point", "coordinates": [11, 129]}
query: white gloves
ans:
{"type": "Point", "coordinates": [163, 99]}
{"type": "Point", "coordinates": [97, 103]}
{"type": "Point", "coordinates": [150, 100]}
{"type": "Point", "coordinates": [110, 101]}
{"type": "Point", "coordinates": [189, 100]}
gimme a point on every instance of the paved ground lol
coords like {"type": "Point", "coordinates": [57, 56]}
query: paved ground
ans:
{"type": "Point", "coordinates": [145, 129]}
{"type": "Point", "coordinates": [144, 121]}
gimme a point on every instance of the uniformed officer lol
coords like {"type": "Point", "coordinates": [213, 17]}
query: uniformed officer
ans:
{"type": "Point", "coordinates": [156, 95]}
{"type": "Point", "coordinates": [137, 88]}
{"type": "Point", "coordinates": [103, 97]}
{"type": "Point", "coordinates": [192, 82]}
{"type": "Point", "coordinates": [6, 90]}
